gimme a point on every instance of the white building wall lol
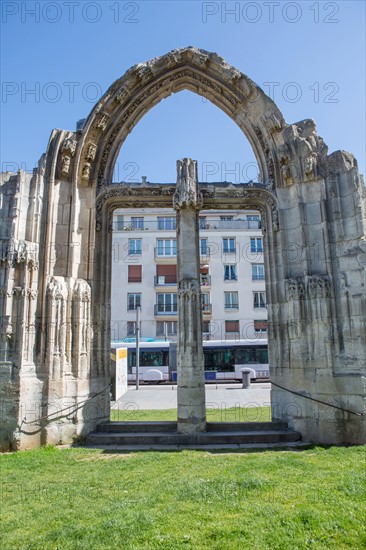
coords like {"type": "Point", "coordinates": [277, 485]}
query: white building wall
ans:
{"type": "Point", "coordinates": [214, 230]}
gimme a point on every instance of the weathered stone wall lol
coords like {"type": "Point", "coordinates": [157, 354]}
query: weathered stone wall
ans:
{"type": "Point", "coordinates": [318, 340]}
{"type": "Point", "coordinates": [56, 247]}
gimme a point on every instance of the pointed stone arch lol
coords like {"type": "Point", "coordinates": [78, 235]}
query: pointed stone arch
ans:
{"type": "Point", "coordinates": [146, 84]}
{"type": "Point", "coordinates": [313, 207]}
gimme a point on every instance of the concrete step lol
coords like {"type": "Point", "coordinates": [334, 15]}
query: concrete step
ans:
{"type": "Point", "coordinates": [171, 426]}
{"type": "Point", "coordinates": [244, 426]}
{"type": "Point", "coordinates": [137, 427]}
{"type": "Point", "coordinates": [151, 438]}
{"type": "Point", "coordinates": [213, 447]}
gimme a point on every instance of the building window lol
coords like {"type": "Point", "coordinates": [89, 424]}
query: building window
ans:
{"type": "Point", "coordinates": [257, 272]}
{"type": "Point", "coordinates": [166, 223]}
{"type": "Point", "coordinates": [166, 328]}
{"type": "Point", "coordinates": [206, 305]}
{"type": "Point", "coordinates": [137, 223]}
{"type": "Point", "coordinates": [230, 272]}
{"type": "Point", "coordinates": [254, 222]}
{"type": "Point", "coordinates": [166, 247]}
{"type": "Point", "coordinates": [166, 275]}
{"type": "Point", "coordinates": [256, 244]}
{"type": "Point", "coordinates": [232, 327]}
{"type": "Point", "coordinates": [203, 247]}
{"type": "Point", "coordinates": [131, 328]}
{"type": "Point", "coordinates": [134, 273]}
{"type": "Point", "coordinates": [231, 300]}
{"type": "Point", "coordinates": [206, 327]}
{"type": "Point", "coordinates": [133, 301]}
{"type": "Point", "coordinates": [226, 218]}
{"type": "Point", "coordinates": [118, 226]}
{"type": "Point", "coordinates": [135, 246]}
{"type": "Point", "coordinates": [259, 299]}
{"type": "Point", "coordinates": [203, 222]}
{"type": "Point", "coordinates": [166, 303]}
{"type": "Point", "coordinates": [260, 327]}
{"type": "Point", "coordinates": [228, 245]}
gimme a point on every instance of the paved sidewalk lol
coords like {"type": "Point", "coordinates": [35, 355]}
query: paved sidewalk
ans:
{"type": "Point", "coordinates": [217, 396]}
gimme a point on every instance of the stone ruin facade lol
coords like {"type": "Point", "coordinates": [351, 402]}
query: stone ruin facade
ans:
{"type": "Point", "coordinates": [56, 237]}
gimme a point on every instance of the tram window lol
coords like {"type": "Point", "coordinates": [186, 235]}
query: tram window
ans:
{"type": "Point", "coordinates": [243, 356]}
{"type": "Point", "coordinates": [262, 355]}
{"type": "Point", "coordinates": [209, 359]}
{"type": "Point", "coordinates": [151, 359]}
{"type": "Point", "coordinates": [131, 361]}
{"type": "Point", "coordinates": [147, 359]}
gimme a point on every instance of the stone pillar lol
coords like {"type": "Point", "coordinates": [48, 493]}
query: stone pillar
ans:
{"type": "Point", "coordinates": [190, 360]}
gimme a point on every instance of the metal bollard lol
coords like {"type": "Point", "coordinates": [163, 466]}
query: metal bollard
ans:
{"type": "Point", "coordinates": [245, 378]}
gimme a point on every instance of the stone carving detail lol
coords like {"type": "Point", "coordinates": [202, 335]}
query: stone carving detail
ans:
{"type": "Point", "coordinates": [16, 252]}
{"type": "Point", "coordinates": [5, 293]}
{"type": "Point", "coordinates": [187, 193]}
{"type": "Point", "coordinates": [85, 174]}
{"type": "Point", "coordinates": [189, 289]}
{"type": "Point", "coordinates": [57, 295]}
{"type": "Point", "coordinates": [102, 121]}
{"type": "Point", "coordinates": [309, 165]}
{"type": "Point", "coordinates": [137, 194]}
{"type": "Point", "coordinates": [274, 124]}
{"type": "Point", "coordinates": [6, 331]}
{"type": "Point", "coordinates": [275, 220]}
{"type": "Point", "coordinates": [285, 170]}
{"type": "Point", "coordinates": [91, 151]}
{"type": "Point", "coordinates": [122, 95]}
{"type": "Point", "coordinates": [305, 151]}
{"type": "Point", "coordinates": [319, 287]}
{"type": "Point", "coordinates": [65, 165]}
{"type": "Point", "coordinates": [81, 325]}
{"type": "Point", "coordinates": [144, 72]}
{"type": "Point", "coordinates": [69, 146]}
{"type": "Point", "coordinates": [295, 289]}
{"type": "Point", "coordinates": [268, 156]}
{"type": "Point", "coordinates": [339, 162]}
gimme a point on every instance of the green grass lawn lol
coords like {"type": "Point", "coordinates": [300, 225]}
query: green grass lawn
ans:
{"type": "Point", "coordinates": [234, 414]}
{"type": "Point", "coordinates": [66, 499]}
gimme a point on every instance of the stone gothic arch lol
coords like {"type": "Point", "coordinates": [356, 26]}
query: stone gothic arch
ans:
{"type": "Point", "coordinates": [56, 247]}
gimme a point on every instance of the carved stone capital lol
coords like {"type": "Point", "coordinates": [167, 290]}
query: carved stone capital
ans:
{"type": "Point", "coordinates": [187, 194]}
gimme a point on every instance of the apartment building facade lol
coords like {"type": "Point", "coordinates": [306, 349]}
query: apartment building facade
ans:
{"type": "Point", "coordinates": [144, 273]}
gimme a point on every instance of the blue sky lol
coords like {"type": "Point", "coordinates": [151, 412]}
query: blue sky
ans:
{"type": "Point", "coordinates": [59, 57]}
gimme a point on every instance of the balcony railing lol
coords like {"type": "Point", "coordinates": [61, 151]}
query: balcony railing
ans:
{"type": "Point", "coordinates": [168, 252]}
{"type": "Point", "coordinates": [231, 306]}
{"type": "Point", "coordinates": [165, 309]}
{"type": "Point", "coordinates": [219, 225]}
{"type": "Point", "coordinates": [165, 280]}
{"type": "Point", "coordinates": [258, 277]}
{"type": "Point", "coordinates": [206, 309]}
{"type": "Point", "coordinates": [210, 225]}
{"type": "Point", "coordinates": [205, 280]}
